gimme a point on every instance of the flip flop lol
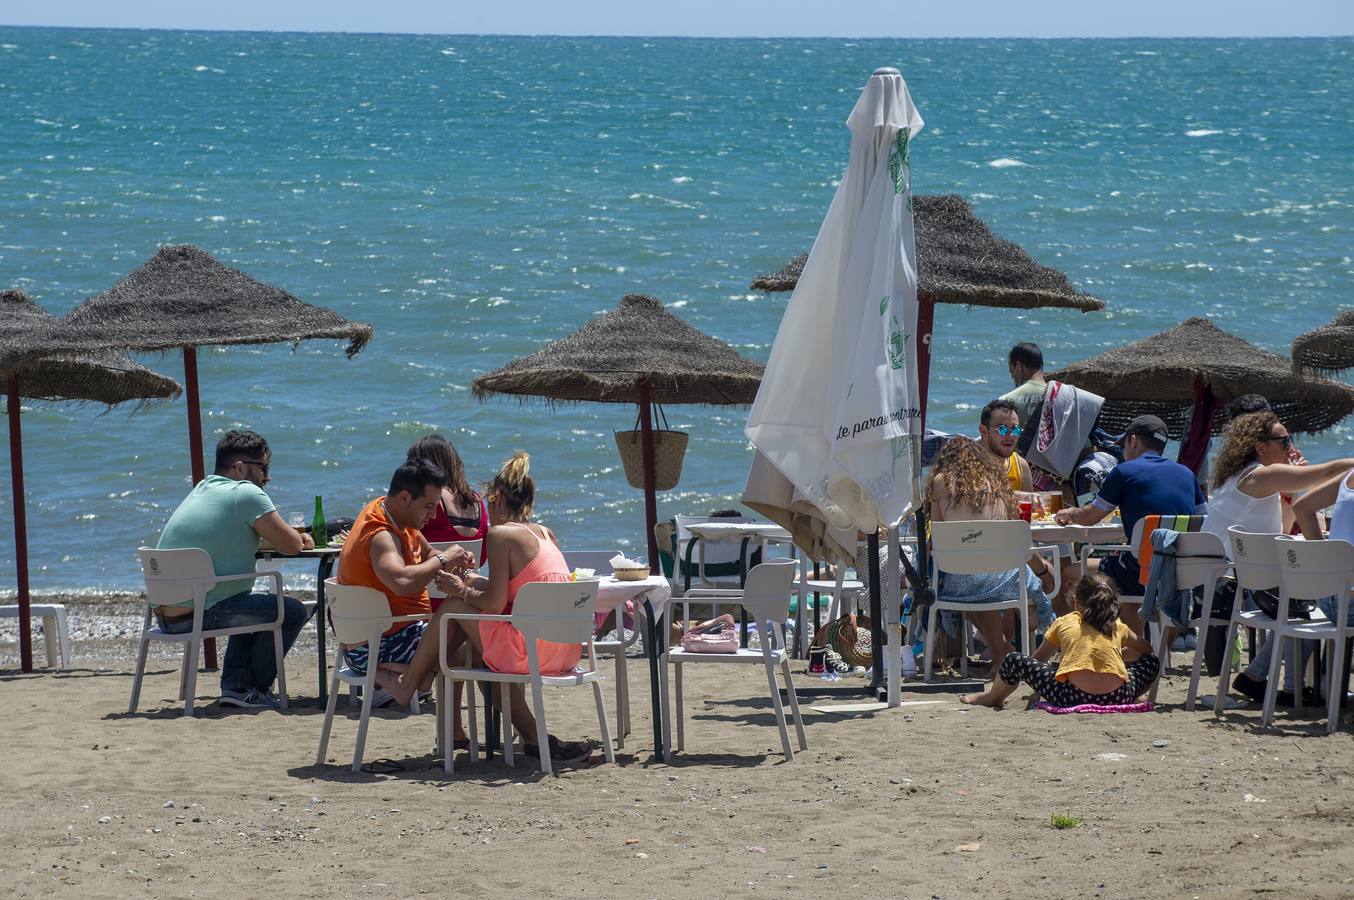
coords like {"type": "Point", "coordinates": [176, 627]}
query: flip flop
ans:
{"type": "Point", "coordinates": [383, 767]}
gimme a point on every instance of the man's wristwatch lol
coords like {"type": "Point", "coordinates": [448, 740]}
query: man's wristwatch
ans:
{"type": "Point", "coordinates": [441, 560]}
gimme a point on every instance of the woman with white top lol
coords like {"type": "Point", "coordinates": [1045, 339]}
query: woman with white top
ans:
{"type": "Point", "coordinates": [1339, 493]}
{"type": "Point", "coordinates": [1250, 472]}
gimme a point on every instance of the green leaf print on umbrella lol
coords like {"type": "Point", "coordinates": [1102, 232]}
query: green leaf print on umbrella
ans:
{"type": "Point", "coordinates": [883, 305]}
{"type": "Point", "coordinates": [897, 343]}
{"type": "Point", "coordinates": [898, 162]}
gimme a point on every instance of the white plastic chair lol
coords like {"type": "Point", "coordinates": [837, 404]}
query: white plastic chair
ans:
{"type": "Point", "coordinates": [805, 586]}
{"type": "Point", "coordinates": [600, 562]}
{"type": "Point", "coordinates": [1313, 570]}
{"type": "Point", "coordinates": [559, 612]}
{"type": "Point", "coordinates": [983, 547]}
{"type": "Point", "coordinates": [766, 598]}
{"type": "Point", "coordinates": [1255, 562]}
{"type": "Point", "coordinates": [1199, 563]}
{"type": "Point", "coordinates": [360, 615]}
{"type": "Point", "coordinates": [183, 577]}
{"type": "Point", "coordinates": [473, 547]}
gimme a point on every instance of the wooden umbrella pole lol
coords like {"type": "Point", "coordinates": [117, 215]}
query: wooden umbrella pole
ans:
{"type": "Point", "coordinates": [195, 455]}
{"type": "Point", "coordinates": [650, 492]}
{"type": "Point", "coordinates": [16, 468]}
{"type": "Point", "coordinates": [194, 414]}
{"type": "Point", "coordinates": [926, 314]}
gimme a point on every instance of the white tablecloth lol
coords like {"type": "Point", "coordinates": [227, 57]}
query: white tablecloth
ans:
{"type": "Point", "coordinates": [1049, 533]}
{"type": "Point", "coordinates": [612, 592]}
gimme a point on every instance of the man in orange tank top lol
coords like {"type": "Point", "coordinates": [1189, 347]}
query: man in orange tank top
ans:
{"type": "Point", "coordinates": [386, 551]}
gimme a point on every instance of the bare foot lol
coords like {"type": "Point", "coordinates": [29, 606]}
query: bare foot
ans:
{"type": "Point", "coordinates": [402, 691]}
{"type": "Point", "coordinates": [980, 700]}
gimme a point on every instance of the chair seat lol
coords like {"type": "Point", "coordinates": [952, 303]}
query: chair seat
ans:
{"type": "Point", "coordinates": [827, 587]}
{"type": "Point", "coordinates": [573, 678]}
{"type": "Point", "coordinates": [159, 634]}
{"type": "Point", "coordinates": [1013, 603]}
{"type": "Point", "coordinates": [742, 655]}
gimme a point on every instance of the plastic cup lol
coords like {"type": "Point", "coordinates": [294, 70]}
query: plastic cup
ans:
{"type": "Point", "coordinates": [1026, 510]}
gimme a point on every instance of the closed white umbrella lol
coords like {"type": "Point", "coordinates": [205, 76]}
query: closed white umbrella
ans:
{"type": "Point", "coordinates": [838, 411]}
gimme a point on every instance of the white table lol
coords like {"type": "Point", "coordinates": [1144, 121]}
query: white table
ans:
{"type": "Point", "coordinates": [1104, 533]}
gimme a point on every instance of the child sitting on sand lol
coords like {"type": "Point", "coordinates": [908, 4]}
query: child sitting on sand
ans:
{"type": "Point", "coordinates": [1092, 669]}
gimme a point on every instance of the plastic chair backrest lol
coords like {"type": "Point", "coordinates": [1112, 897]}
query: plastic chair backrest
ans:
{"type": "Point", "coordinates": [1255, 559]}
{"type": "Point", "coordinates": [174, 577]}
{"type": "Point", "coordinates": [354, 610]}
{"type": "Point", "coordinates": [557, 611]}
{"type": "Point", "coordinates": [1313, 570]}
{"type": "Point", "coordinates": [1199, 559]}
{"type": "Point", "coordinates": [472, 547]}
{"type": "Point", "coordinates": [980, 547]}
{"type": "Point", "coordinates": [766, 596]}
{"type": "Point", "coordinates": [597, 560]}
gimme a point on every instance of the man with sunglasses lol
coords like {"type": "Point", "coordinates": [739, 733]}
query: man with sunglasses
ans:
{"type": "Point", "coordinates": [999, 430]}
{"type": "Point", "coordinates": [225, 514]}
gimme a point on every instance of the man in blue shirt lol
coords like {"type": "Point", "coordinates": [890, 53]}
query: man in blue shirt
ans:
{"type": "Point", "coordinates": [225, 514]}
{"type": "Point", "coordinates": [1145, 483]}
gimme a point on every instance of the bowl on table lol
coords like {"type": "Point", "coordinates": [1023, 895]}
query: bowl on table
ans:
{"type": "Point", "coordinates": [638, 573]}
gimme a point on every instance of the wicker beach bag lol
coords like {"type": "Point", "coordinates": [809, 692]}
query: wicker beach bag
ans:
{"type": "Point", "coordinates": [849, 636]}
{"type": "Point", "coordinates": [669, 449]}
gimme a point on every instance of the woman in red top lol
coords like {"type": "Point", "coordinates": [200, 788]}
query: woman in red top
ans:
{"type": "Point", "coordinates": [462, 515]}
{"type": "Point", "coordinates": [519, 552]}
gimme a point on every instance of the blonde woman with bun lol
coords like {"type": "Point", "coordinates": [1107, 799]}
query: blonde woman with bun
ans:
{"type": "Point", "coordinates": [519, 552]}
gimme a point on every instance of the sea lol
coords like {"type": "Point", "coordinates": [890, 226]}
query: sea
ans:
{"type": "Point", "coordinates": [475, 197]}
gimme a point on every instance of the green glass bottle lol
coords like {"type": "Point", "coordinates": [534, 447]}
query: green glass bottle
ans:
{"type": "Point", "coordinates": [318, 531]}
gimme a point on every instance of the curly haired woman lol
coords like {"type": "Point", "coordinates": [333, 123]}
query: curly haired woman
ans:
{"type": "Point", "coordinates": [1250, 472]}
{"type": "Point", "coordinates": [965, 486]}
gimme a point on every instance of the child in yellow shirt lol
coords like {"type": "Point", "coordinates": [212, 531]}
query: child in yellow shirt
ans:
{"type": "Point", "coordinates": [1092, 669]}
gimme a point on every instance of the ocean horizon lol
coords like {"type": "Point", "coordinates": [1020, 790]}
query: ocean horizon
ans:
{"type": "Point", "coordinates": [473, 197]}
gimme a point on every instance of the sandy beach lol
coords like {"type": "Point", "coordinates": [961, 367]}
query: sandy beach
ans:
{"type": "Point", "coordinates": [934, 800]}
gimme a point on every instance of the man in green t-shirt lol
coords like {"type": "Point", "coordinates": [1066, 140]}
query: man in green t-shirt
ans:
{"type": "Point", "coordinates": [1025, 362]}
{"type": "Point", "coordinates": [225, 514]}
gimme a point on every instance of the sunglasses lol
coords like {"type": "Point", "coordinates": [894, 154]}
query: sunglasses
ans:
{"type": "Point", "coordinates": [257, 462]}
{"type": "Point", "coordinates": [1287, 441]}
{"type": "Point", "coordinates": [1008, 430]}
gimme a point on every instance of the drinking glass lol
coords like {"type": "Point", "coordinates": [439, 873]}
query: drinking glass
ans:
{"type": "Point", "coordinates": [296, 520]}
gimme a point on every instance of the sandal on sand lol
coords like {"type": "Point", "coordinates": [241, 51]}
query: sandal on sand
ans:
{"type": "Point", "coordinates": [562, 753]}
{"type": "Point", "coordinates": [383, 767]}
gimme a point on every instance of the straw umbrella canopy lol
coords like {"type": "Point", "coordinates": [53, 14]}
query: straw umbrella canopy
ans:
{"type": "Point", "coordinates": [184, 299]}
{"type": "Point", "coordinates": [1167, 373]}
{"type": "Point", "coordinates": [637, 353]}
{"type": "Point", "coordinates": [961, 261]}
{"type": "Point", "coordinates": [82, 377]}
{"type": "Point", "coordinates": [1328, 349]}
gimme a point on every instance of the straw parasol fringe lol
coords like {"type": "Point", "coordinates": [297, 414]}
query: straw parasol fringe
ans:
{"type": "Point", "coordinates": [1328, 349]}
{"type": "Point", "coordinates": [961, 261]}
{"type": "Point", "coordinates": [94, 377]}
{"type": "Point", "coordinates": [183, 297]}
{"type": "Point", "coordinates": [1156, 375]}
{"type": "Point", "coordinates": [607, 359]}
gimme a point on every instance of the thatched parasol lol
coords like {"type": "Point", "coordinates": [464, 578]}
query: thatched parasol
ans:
{"type": "Point", "coordinates": [961, 261]}
{"type": "Point", "coordinates": [1159, 374]}
{"type": "Point", "coordinates": [1328, 349]}
{"type": "Point", "coordinates": [637, 353]}
{"type": "Point", "coordinates": [184, 299]}
{"type": "Point", "coordinates": [83, 377]}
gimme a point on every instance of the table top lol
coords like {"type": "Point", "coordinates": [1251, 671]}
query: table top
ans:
{"type": "Point", "coordinates": [315, 553]}
{"type": "Point", "coordinates": [612, 592]}
{"type": "Point", "coordinates": [1104, 533]}
{"type": "Point", "coordinates": [736, 531]}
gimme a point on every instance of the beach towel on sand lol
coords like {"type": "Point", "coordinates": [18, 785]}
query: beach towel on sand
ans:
{"type": "Point", "coordinates": [1095, 708]}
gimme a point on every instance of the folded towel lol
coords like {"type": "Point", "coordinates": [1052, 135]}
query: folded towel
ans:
{"type": "Point", "coordinates": [1095, 708]}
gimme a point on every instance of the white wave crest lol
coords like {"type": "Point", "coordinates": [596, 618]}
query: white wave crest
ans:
{"type": "Point", "coordinates": [1202, 132]}
{"type": "Point", "coordinates": [1005, 163]}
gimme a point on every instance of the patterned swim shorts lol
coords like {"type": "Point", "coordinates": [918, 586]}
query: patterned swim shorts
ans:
{"type": "Point", "coordinates": [395, 648]}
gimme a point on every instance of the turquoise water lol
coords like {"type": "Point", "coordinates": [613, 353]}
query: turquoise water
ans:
{"type": "Point", "coordinates": [473, 198]}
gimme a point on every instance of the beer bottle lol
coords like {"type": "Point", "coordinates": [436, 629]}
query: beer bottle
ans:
{"type": "Point", "coordinates": [318, 531]}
